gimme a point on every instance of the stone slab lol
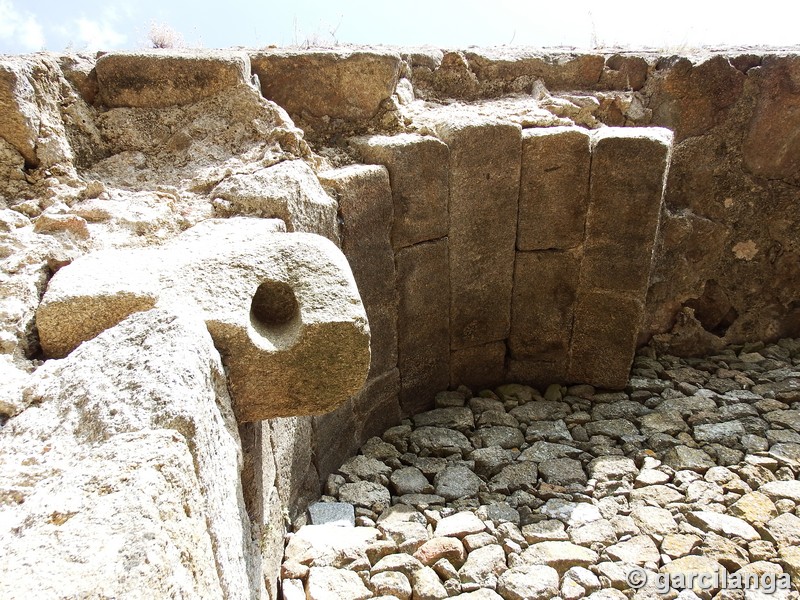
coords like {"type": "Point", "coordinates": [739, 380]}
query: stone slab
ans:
{"type": "Point", "coordinates": [629, 168]}
{"type": "Point", "coordinates": [334, 514]}
{"type": "Point", "coordinates": [161, 78]}
{"type": "Point", "coordinates": [338, 83]}
{"type": "Point", "coordinates": [604, 339]}
{"type": "Point", "coordinates": [542, 309]}
{"type": "Point", "coordinates": [484, 188]}
{"type": "Point", "coordinates": [554, 188]}
{"type": "Point", "coordinates": [365, 206]}
{"type": "Point", "coordinates": [418, 169]}
{"type": "Point", "coordinates": [423, 323]}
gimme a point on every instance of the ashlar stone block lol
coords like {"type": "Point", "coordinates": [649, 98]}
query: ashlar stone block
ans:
{"type": "Point", "coordinates": [629, 169]}
{"type": "Point", "coordinates": [160, 78]}
{"type": "Point", "coordinates": [365, 206]}
{"type": "Point", "coordinates": [545, 288]}
{"type": "Point", "coordinates": [484, 188]}
{"type": "Point", "coordinates": [554, 188]}
{"type": "Point", "coordinates": [423, 323]}
{"type": "Point", "coordinates": [418, 169]}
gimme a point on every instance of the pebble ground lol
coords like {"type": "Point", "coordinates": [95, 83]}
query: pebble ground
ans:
{"type": "Point", "coordinates": [573, 492]}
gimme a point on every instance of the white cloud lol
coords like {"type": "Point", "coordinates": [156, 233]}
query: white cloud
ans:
{"type": "Point", "coordinates": [19, 28]}
{"type": "Point", "coordinates": [97, 35]}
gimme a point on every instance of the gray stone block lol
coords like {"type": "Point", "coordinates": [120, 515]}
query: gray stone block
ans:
{"type": "Point", "coordinates": [339, 514]}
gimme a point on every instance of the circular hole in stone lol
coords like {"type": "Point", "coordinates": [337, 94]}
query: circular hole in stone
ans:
{"type": "Point", "coordinates": [274, 303]}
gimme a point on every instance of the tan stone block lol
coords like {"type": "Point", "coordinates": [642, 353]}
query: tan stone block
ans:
{"type": "Point", "coordinates": [340, 83]}
{"type": "Point", "coordinates": [478, 367]}
{"type": "Point", "coordinates": [604, 338]}
{"type": "Point", "coordinates": [418, 168]}
{"type": "Point", "coordinates": [160, 78]}
{"type": "Point", "coordinates": [545, 288]}
{"type": "Point", "coordinates": [423, 323]}
{"type": "Point", "coordinates": [554, 188]}
{"type": "Point", "coordinates": [484, 189]}
{"type": "Point", "coordinates": [629, 168]}
{"type": "Point", "coordinates": [365, 206]}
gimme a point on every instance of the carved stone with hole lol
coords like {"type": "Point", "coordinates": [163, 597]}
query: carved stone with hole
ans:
{"type": "Point", "coordinates": [283, 309]}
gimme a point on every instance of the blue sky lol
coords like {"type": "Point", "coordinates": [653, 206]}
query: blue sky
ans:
{"type": "Point", "coordinates": [124, 24]}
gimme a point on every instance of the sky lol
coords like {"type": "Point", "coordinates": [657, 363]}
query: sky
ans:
{"type": "Point", "coordinates": [671, 25]}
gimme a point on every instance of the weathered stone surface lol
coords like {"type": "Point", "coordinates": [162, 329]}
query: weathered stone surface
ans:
{"type": "Point", "coordinates": [438, 548]}
{"type": "Point", "coordinates": [366, 494]}
{"type": "Point", "coordinates": [723, 525]}
{"type": "Point", "coordinates": [423, 323]}
{"type": "Point", "coordinates": [289, 191]}
{"type": "Point", "coordinates": [364, 199]}
{"type": "Point", "coordinates": [605, 320]}
{"type": "Point", "coordinates": [418, 168]}
{"type": "Point", "coordinates": [459, 525]}
{"type": "Point", "coordinates": [528, 582]}
{"type": "Point", "coordinates": [327, 583]}
{"type": "Point", "coordinates": [770, 151]}
{"type": "Point", "coordinates": [545, 287]}
{"type": "Point", "coordinates": [159, 78]}
{"type": "Point", "coordinates": [439, 441]}
{"type": "Point", "coordinates": [340, 514]}
{"type": "Point", "coordinates": [691, 98]}
{"type": "Point", "coordinates": [19, 114]}
{"type": "Point", "coordinates": [458, 418]}
{"type": "Point", "coordinates": [638, 550]}
{"type": "Point", "coordinates": [427, 585]}
{"type": "Point", "coordinates": [340, 84]}
{"type": "Point", "coordinates": [456, 482]}
{"type": "Point", "coordinates": [478, 366]}
{"type": "Point", "coordinates": [629, 169]}
{"type": "Point", "coordinates": [377, 406]}
{"type": "Point", "coordinates": [559, 555]}
{"type": "Point", "coordinates": [294, 307]}
{"type": "Point", "coordinates": [329, 546]}
{"type": "Point", "coordinates": [484, 187]}
{"type": "Point", "coordinates": [155, 427]}
{"type": "Point", "coordinates": [483, 568]}
{"type": "Point", "coordinates": [391, 584]}
{"type": "Point", "coordinates": [410, 480]}
{"type": "Point", "coordinates": [554, 188]}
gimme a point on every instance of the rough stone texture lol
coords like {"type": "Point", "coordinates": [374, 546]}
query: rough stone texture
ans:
{"type": "Point", "coordinates": [423, 323]}
{"type": "Point", "coordinates": [609, 321]}
{"type": "Point", "coordinates": [151, 450]}
{"type": "Point", "coordinates": [545, 288]}
{"type": "Point", "coordinates": [418, 168]}
{"type": "Point", "coordinates": [289, 191]}
{"type": "Point", "coordinates": [726, 251]}
{"type": "Point", "coordinates": [340, 84]}
{"type": "Point", "coordinates": [484, 186]}
{"type": "Point", "coordinates": [159, 78]}
{"type": "Point", "coordinates": [629, 170]}
{"type": "Point", "coordinates": [554, 188]}
{"type": "Point", "coordinates": [364, 197]}
{"type": "Point", "coordinates": [262, 344]}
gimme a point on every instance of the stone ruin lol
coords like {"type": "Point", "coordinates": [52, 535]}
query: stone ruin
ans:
{"type": "Point", "coordinates": [223, 272]}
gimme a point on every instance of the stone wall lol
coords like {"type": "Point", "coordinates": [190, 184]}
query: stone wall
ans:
{"type": "Point", "coordinates": [506, 214]}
